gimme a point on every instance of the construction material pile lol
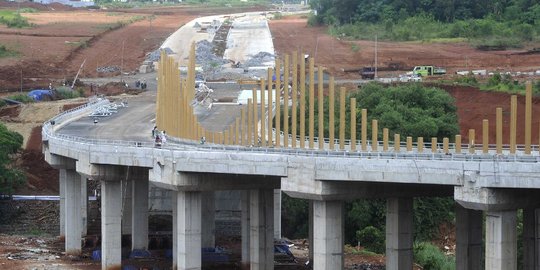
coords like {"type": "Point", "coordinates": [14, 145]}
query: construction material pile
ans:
{"type": "Point", "coordinates": [107, 69]}
{"type": "Point", "coordinates": [205, 54]}
{"type": "Point", "coordinates": [203, 96]}
{"type": "Point", "coordinates": [260, 59]}
{"type": "Point", "coordinates": [156, 55]}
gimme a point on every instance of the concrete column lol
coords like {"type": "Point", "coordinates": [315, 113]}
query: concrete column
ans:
{"type": "Point", "coordinates": [111, 224]}
{"type": "Point", "coordinates": [399, 233]}
{"type": "Point", "coordinates": [139, 217]}
{"type": "Point", "coordinates": [174, 201]}
{"type": "Point", "coordinates": [469, 225]}
{"type": "Point", "coordinates": [62, 190]}
{"type": "Point", "coordinates": [127, 190]}
{"type": "Point", "coordinates": [73, 219]}
{"type": "Point", "coordinates": [501, 240]}
{"type": "Point", "coordinates": [328, 235]}
{"type": "Point", "coordinates": [277, 213]}
{"type": "Point", "coordinates": [531, 240]}
{"type": "Point", "coordinates": [84, 205]}
{"type": "Point", "coordinates": [310, 232]}
{"type": "Point", "coordinates": [262, 231]}
{"type": "Point", "coordinates": [188, 230]}
{"type": "Point", "coordinates": [208, 219]}
{"type": "Point", "coordinates": [245, 227]}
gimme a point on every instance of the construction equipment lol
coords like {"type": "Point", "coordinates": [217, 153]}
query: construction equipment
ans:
{"type": "Point", "coordinates": [428, 70]}
{"type": "Point", "coordinates": [368, 73]}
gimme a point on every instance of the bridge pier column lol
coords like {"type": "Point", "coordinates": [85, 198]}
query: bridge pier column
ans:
{"type": "Point", "coordinates": [261, 229]}
{"type": "Point", "coordinates": [399, 233]}
{"type": "Point", "coordinates": [127, 202]}
{"type": "Point", "coordinates": [73, 216]}
{"type": "Point", "coordinates": [531, 239]}
{"type": "Point", "coordinates": [245, 221]}
{"type": "Point", "coordinates": [188, 230]}
{"type": "Point", "coordinates": [111, 224]}
{"type": "Point", "coordinates": [62, 194]}
{"type": "Point", "coordinates": [310, 232]}
{"type": "Point", "coordinates": [469, 225]}
{"type": "Point", "coordinates": [139, 213]}
{"type": "Point", "coordinates": [328, 235]}
{"type": "Point", "coordinates": [277, 213]}
{"type": "Point", "coordinates": [84, 205]}
{"type": "Point", "coordinates": [501, 240]}
{"type": "Point", "coordinates": [208, 219]}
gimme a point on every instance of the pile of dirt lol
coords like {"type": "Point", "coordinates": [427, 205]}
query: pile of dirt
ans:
{"type": "Point", "coordinates": [8, 112]}
{"type": "Point", "coordinates": [33, 73]}
{"type": "Point", "coordinates": [42, 179]}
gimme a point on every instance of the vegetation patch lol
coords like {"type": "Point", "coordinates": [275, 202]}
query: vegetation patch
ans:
{"type": "Point", "coordinates": [13, 19]}
{"type": "Point", "coordinates": [5, 52]}
{"type": "Point", "coordinates": [486, 25]}
{"type": "Point", "coordinates": [430, 257]}
{"type": "Point", "coordinates": [10, 177]}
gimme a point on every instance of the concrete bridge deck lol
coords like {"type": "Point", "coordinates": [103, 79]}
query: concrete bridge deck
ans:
{"type": "Point", "coordinates": [119, 149]}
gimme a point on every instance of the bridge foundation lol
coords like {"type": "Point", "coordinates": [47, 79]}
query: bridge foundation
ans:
{"type": "Point", "coordinates": [469, 224]}
{"type": "Point", "coordinates": [261, 229]}
{"type": "Point", "coordinates": [327, 235]}
{"type": "Point", "coordinates": [73, 215]}
{"type": "Point", "coordinates": [531, 239]}
{"type": "Point", "coordinates": [501, 241]}
{"type": "Point", "coordinates": [399, 233]}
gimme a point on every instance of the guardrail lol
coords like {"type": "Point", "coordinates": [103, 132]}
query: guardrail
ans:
{"type": "Point", "coordinates": [184, 144]}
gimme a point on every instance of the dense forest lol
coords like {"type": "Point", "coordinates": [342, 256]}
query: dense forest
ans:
{"type": "Point", "coordinates": [499, 23]}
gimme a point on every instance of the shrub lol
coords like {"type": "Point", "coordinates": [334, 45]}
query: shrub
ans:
{"type": "Point", "coordinates": [66, 93]}
{"type": "Point", "coordinates": [15, 21]}
{"type": "Point", "coordinates": [431, 258]}
{"type": "Point", "coordinates": [372, 239]}
{"type": "Point", "coordinates": [21, 98]}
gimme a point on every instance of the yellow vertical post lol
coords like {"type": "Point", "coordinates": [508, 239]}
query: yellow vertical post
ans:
{"type": "Point", "coordinates": [302, 103]}
{"type": "Point", "coordinates": [243, 131]}
{"type": "Point", "coordinates": [445, 145]}
{"type": "Point", "coordinates": [226, 137]}
{"type": "Point", "coordinates": [409, 143]}
{"type": "Point", "coordinates": [458, 144]}
{"type": "Point", "coordinates": [434, 144]}
{"type": "Point", "coordinates": [263, 114]}
{"type": "Point", "coordinates": [364, 130]}
{"type": "Point", "coordinates": [270, 108]}
{"type": "Point", "coordinates": [513, 123]}
{"type": "Point", "coordinates": [249, 132]}
{"type": "Point", "coordinates": [485, 136]}
{"type": "Point", "coordinates": [385, 139]}
{"type": "Point", "coordinates": [397, 143]}
{"type": "Point", "coordinates": [472, 141]}
{"type": "Point", "coordinates": [342, 118]}
{"type": "Point", "coordinates": [374, 135]}
{"type": "Point", "coordinates": [294, 94]}
{"type": "Point", "coordinates": [420, 144]}
{"type": "Point", "coordinates": [353, 124]}
{"type": "Point", "coordinates": [278, 103]}
{"type": "Point", "coordinates": [311, 102]}
{"type": "Point", "coordinates": [331, 124]}
{"type": "Point", "coordinates": [237, 131]}
{"type": "Point", "coordinates": [255, 118]}
{"type": "Point", "coordinates": [286, 102]}
{"type": "Point", "coordinates": [320, 102]}
{"type": "Point", "coordinates": [499, 130]}
{"type": "Point", "coordinates": [528, 117]}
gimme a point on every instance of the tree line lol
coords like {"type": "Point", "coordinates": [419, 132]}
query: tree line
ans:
{"type": "Point", "coordinates": [485, 24]}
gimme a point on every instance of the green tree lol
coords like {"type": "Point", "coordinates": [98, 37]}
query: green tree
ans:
{"type": "Point", "coordinates": [10, 177]}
